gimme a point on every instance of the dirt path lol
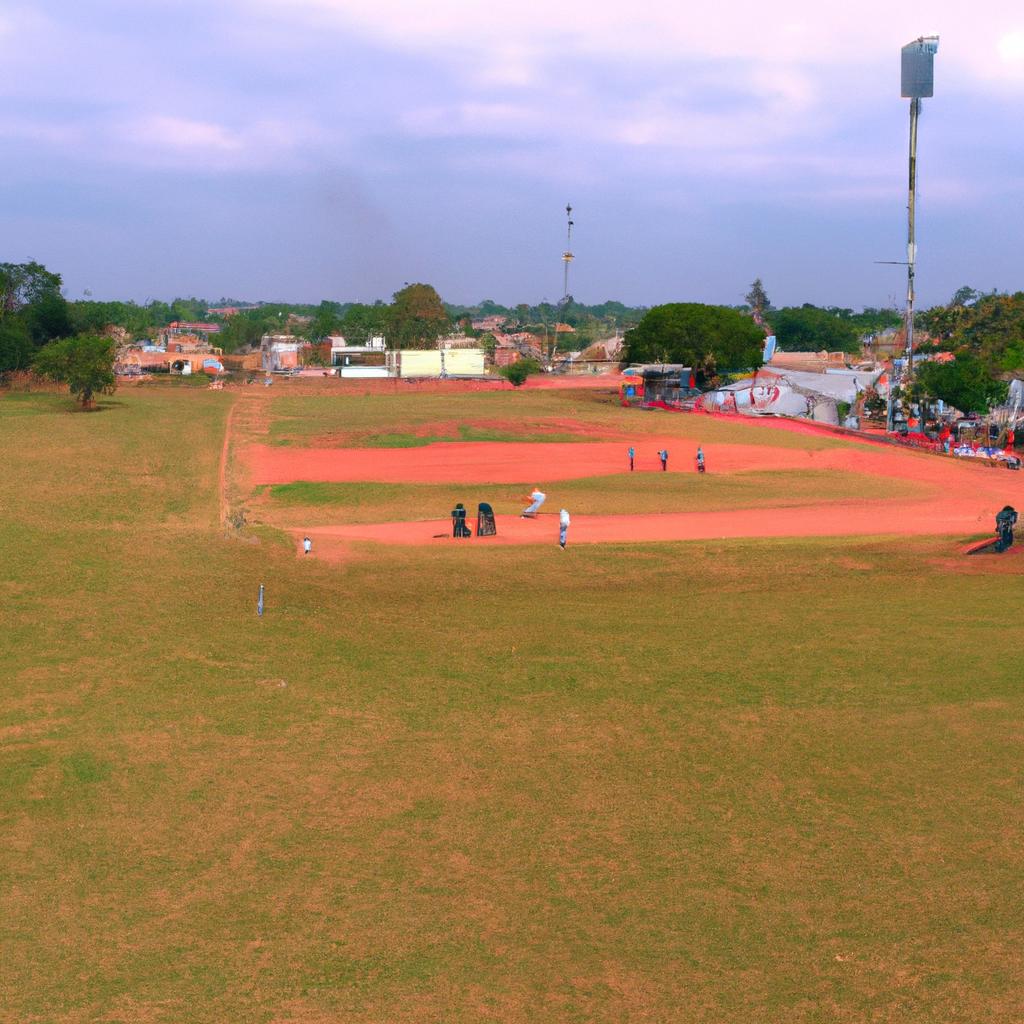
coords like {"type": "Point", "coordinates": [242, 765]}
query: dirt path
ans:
{"type": "Point", "coordinates": [856, 519]}
{"type": "Point", "coordinates": [963, 499]}
{"type": "Point", "coordinates": [473, 462]}
{"type": "Point", "coordinates": [222, 473]}
{"type": "Point", "coordinates": [247, 424]}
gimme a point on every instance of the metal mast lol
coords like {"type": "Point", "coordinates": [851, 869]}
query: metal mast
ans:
{"type": "Point", "coordinates": [567, 256]}
{"type": "Point", "coordinates": [917, 81]}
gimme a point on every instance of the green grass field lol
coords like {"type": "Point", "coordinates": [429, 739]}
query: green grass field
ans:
{"type": "Point", "coordinates": [406, 419]}
{"type": "Point", "coordinates": [733, 781]}
{"type": "Point", "coordinates": [315, 504]}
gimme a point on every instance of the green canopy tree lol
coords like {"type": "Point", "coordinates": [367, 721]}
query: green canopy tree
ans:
{"type": "Point", "coordinates": [417, 317]}
{"type": "Point", "coordinates": [362, 321]}
{"type": "Point", "coordinates": [15, 345]}
{"type": "Point", "coordinates": [809, 328]}
{"type": "Point", "coordinates": [85, 363]}
{"type": "Point", "coordinates": [714, 338]}
{"type": "Point", "coordinates": [966, 384]}
{"type": "Point", "coordinates": [47, 318]}
{"type": "Point", "coordinates": [326, 321]}
{"type": "Point", "coordinates": [21, 284]}
{"type": "Point", "coordinates": [757, 299]}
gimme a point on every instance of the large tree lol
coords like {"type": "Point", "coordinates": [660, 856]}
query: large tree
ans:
{"type": "Point", "coordinates": [714, 338]}
{"type": "Point", "coordinates": [966, 384]}
{"type": "Point", "coordinates": [85, 363]}
{"type": "Point", "coordinates": [417, 318]}
{"type": "Point", "coordinates": [808, 328]}
{"type": "Point", "coordinates": [47, 318]}
{"type": "Point", "coordinates": [15, 345]}
{"type": "Point", "coordinates": [21, 284]}
{"type": "Point", "coordinates": [32, 312]}
{"type": "Point", "coordinates": [757, 300]}
{"type": "Point", "coordinates": [992, 329]}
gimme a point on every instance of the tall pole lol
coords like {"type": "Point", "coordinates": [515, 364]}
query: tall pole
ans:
{"type": "Point", "coordinates": [915, 110]}
{"type": "Point", "coordinates": [567, 256]}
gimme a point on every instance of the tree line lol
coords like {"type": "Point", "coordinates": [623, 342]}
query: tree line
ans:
{"type": "Point", "coordinates": [984, 331]}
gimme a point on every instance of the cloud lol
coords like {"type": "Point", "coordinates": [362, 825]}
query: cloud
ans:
{"type": "Point", "coordinates": [517, 37]}
{"type": "Point", "coordinates": [182, 135]}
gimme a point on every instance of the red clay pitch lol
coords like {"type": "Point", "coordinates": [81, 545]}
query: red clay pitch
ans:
{"type": "Point", "coordinates": [963, 497]}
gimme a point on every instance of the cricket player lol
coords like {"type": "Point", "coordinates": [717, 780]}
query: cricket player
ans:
{"type": "Point", "coordinates": [563, 527]}
{"type": "Point", "coordinates": [536, 499]}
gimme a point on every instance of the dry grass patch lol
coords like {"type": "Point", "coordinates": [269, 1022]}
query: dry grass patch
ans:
{"type": "Point", "coordinates": [316, 504]}
{"type": "Point", "coordinates": [704, 782]}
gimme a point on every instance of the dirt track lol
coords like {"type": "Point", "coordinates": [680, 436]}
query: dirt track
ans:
{"type": "Point", "coordinates": [834, 520]}
{"type": "Point", "coordinates": [474, 462]}
{"type": "Point", "coordinates": [963, 500]}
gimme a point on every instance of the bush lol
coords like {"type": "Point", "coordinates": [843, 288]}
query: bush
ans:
{"type": "Point", "coordinates": [517, 373]}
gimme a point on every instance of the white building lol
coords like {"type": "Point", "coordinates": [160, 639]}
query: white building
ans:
{"type": "Point", "coordinates": [359, 360]}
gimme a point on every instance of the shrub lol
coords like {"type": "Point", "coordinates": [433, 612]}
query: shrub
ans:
{"type": "Point", "coordinates": [517, 373]}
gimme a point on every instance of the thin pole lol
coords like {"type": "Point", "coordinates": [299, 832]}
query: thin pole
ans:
{"type": "Point", "coordinates": [915, 110]}
{"type": "Point", "coordinates": [567, 255]}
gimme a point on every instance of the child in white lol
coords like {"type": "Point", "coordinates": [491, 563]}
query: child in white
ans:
{"type": "Point", "coordinates": [563, 527]}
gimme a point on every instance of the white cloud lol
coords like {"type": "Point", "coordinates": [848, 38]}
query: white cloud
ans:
{"type": "Point", "coordinates": [184, 135]}
{"type": "Point", "coordinates": [510, 38]}
{"type": "Point", "coordinates": [1011, 50]}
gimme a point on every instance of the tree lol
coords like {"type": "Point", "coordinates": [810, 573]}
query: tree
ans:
{"type": "Point", "coordinates": [965, 296]}
{"type": "Point", "coordinates": [361, 322]}
{"type": "Point", "coordinates": [47, 318]}
{"type": "Point", "coordinates": [707, 337]}
{"type": "Point", "coordinates": [15, 345]}
{"type": "Point", "coordinates": [808, 328]}
{"type": "Point", "coordinates": [24, 283]}
{"type": "Point", "coordinates": [965, 384]}
{"type": "Point", "coordinates": [418, 317]}
{"type": "Point", "coordinates": [757, 299]}
{"type": "Point", "coordinates": [517, 372]}
{"type": "Point", "coordinates": [85, 363]}
{"type": "Point", "coordinates": [326, 321]}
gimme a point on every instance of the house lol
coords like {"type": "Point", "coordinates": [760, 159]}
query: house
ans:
{"type": "Point", "coordinates": [436, 362]}
{"type": "Point", "coordinates": [489, 323]}
{"type": "Point", "coordinates": [226, 311]}
{"type": "Point", "coordinates": [182, 327]}
{"type": "Point", "coordinates": [279, 352]}
{"type": "Point", "coordinates": [510, 348]}
{"type": "Point", "coordinates": [364, 361]}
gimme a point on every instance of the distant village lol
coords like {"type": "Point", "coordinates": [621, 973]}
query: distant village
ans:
{"type": "Point", "coordinates": [186, 348]}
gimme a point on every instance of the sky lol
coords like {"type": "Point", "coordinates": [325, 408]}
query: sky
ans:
{"type": "Point", "coordinates": [299, 150]}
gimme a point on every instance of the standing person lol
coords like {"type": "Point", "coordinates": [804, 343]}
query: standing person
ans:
{"type": "Point", "coordinates": [700, 459]}
{"type": "Point", "coordinates": [563, 527]}
{"type": "Point", "coordinates": [307, 545]}
{"type": "Point", "coordinates": [663, 455]}
{"type": "Point", "coordinates": [536, 499]}
{"type": "Point", "coordinates": [632, 454]}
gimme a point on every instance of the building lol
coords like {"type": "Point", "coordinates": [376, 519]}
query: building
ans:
{"type": "Point", "coordinates": [510, 348]}
{"type": "Point", "coordinates": [365, 361]}
{"type": "Point", "coordinates": [437, 362]}
{"type": "Point", "coordinates": [226, 311]}
{"type": "Point", "coordinates": [182, 327]}
{"type": "Point", "coordinates": [489, 323]}
{"type": "Point", "coordinates": [279, 352]}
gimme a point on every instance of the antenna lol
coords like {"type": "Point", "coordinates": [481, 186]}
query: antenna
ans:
{"type": "Point", "coordinates": [567, 256]}
{"type": "Point", "coordinates": [917, 60]}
